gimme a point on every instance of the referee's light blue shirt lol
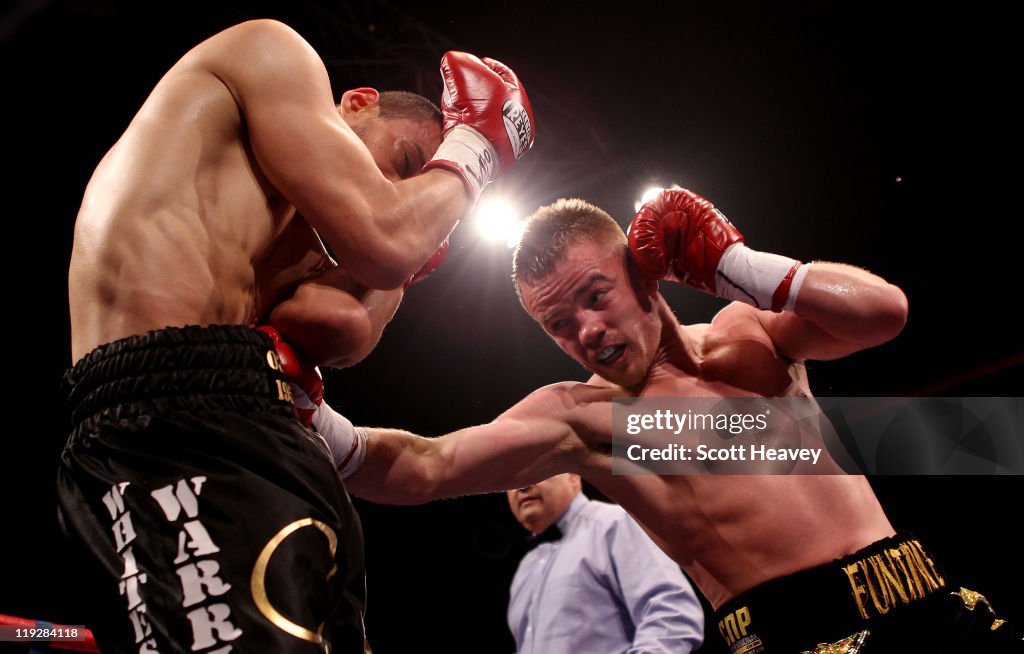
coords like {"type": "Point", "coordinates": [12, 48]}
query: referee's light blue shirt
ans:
{"type": "Point", "coordinates": [603, 588]}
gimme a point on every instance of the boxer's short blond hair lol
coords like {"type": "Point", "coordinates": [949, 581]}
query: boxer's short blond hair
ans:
{"type": "Point", "coordinates": [549, 232]}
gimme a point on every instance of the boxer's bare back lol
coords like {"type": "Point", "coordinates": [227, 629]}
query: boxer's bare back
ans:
{"type": "Point", "coordinates": [181, 223]}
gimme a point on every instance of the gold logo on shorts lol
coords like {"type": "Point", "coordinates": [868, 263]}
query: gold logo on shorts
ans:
{"type": "Point", "coordinates": [734, 625]}
{"type": "Point", "coordinates": [896, 576]}
{"type": "Point", "coordinates": [284, 391]}
{"type": "Point", "coordinates": [274, 361]}
{"type": "Point", "coordinates": [259, 574]}
{"type": "Point", "coordinates": [850, 645]}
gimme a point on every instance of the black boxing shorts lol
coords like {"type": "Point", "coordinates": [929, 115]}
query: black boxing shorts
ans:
{"type": "Point", "coordinates": [890, 596]}
{"type": "Point", "coordinates": [208, 519]}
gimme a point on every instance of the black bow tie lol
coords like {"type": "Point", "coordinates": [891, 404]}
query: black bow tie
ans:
{"type": "Point", "coordinates": [549, 535]}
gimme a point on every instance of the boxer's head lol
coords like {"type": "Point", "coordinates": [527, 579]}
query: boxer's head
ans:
{"type": "Point", "coordinates": [401, 130]}
{"type": "Point", "coordinates": [573, 275]}
{"type": "Point", "coordinates": [540, 505]}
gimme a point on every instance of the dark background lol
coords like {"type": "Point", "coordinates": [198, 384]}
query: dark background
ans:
{"type": "Point", "coordinates": [874, 134]}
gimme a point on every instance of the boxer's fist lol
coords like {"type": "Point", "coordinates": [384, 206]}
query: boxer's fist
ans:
{"type": "Point", "coordinates": [432, 263]}
{"type": "Point", "coordinates": [488, 121]}
{"type": "Point", "coordinates": [680, 235]}
{"type": "Point", "coordinates": [486, 95]}
{"type": "Point", "coordinates": [306, 382]}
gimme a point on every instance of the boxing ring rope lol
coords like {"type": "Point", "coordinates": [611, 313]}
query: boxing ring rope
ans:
{"type": "Point", "coordinates": [83, 642]}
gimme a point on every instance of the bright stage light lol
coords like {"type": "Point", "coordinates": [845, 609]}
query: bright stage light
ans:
{"type": "Point", "coordinates": [497, 220]}
{"type": "Point", "coordinates": [650, 193]}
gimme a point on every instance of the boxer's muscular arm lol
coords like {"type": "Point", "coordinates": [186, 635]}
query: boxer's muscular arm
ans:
{"type": "Point", "coordinates": [382, 231]}
{"type": "Point", "coordinates": [334, 320]}
{"type": "Point", "coordinates": [402, 468]}
{"type": "Point", "coordinates": [818, 311]}
{"type": "Point", "coordinates": [537, 438]}
{"type": "Point", "coordinates": [840, 309]}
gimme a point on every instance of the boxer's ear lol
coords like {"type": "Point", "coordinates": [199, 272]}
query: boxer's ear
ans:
{"type": "Point", "coordinates": [642, 286]}
{"type": "Point", "coordinates": [356, 100]}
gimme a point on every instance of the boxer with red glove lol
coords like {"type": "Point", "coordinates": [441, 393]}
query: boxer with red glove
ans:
{"type": "Point", "coordinates": [346, 443]}
{"type": "Point", "coordinates": [681, 236]}
{"type": "Point", "coordinates": [488, 121]}
{"type": "Point", "coordinates": [306, 382]}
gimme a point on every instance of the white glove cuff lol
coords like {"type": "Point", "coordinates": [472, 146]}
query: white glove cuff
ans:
{"type": "Point", "coordinates": [346, 442]}
{"type": "Point", "coordinates": [466, 152]}
{"type": "Point", "coordinates": [761, 279]}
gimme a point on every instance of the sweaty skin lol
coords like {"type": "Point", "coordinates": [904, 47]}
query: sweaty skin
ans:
{"type": "Point", "coordinates": [190, 217]}
{"type": "Point", "coordinates": [730, 533]}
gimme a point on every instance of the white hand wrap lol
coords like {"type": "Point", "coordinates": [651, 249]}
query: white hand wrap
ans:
{"type": "Point", "coordinates": [346, 442]}
{"type": "Point", "coordinates": [764, 280]}
{"type": "Point", "coordinates": [466, 152]}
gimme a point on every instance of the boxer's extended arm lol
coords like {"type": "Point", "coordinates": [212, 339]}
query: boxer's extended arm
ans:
{"type": "Point", "coordinates": [532, 441]}
{"type": "Point", "coordinates": [382, 231]}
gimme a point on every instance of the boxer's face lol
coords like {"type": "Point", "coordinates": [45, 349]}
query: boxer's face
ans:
{"type": "Point", "coordinates": [592, 309]}
{"type": "Point", "coordinates": [537, 507]}
{"type": "Point", "coordinates": [399, 146]}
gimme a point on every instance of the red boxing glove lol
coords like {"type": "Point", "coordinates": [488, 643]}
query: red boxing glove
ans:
{"type": "Point", "coordinates": [432, 263]}
{"type": "Point", "coordinates": [306, 382]}
{"type": "Point", "coordinates": [488, 121]}
{"type": "Point", "coordinates": [680, 235]}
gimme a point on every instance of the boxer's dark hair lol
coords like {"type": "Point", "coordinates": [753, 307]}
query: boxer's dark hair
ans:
{"type": "Point", "coordinates": [403, 104]}
{"type": "Point", "coordinates": [549, 232]}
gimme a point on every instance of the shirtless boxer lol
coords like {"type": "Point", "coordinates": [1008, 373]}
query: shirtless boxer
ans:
{"type": "Point", "coordinates": [210, 517]}
{"type": "Point", "coordinates": [789, 562]}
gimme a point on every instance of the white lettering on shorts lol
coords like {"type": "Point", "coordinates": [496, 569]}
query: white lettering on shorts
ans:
{"type": "Point", "coordinates": [200, 581]}
{"type": "Point", "coordinates": [132, 580]}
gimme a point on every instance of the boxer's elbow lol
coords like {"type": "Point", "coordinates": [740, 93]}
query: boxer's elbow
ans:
{"type": "Point", "coordinates": [890, 315]}
{"type": "Point", "coordinates": [331, 328]}
{"type": "Point", "coordinates": [346, 334]}
{"type": "Point", "coordinates": [354, 355]}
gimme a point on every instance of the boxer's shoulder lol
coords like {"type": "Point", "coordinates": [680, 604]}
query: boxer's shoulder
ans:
{"type": "Point", "coordinates": [579, 412]}
{"type": "Point", "coordinates": [737, 323]}
{"type": "Point", "coordinates": [732, 313]}
{"type": "Point", "coordinates": [257, 33]}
